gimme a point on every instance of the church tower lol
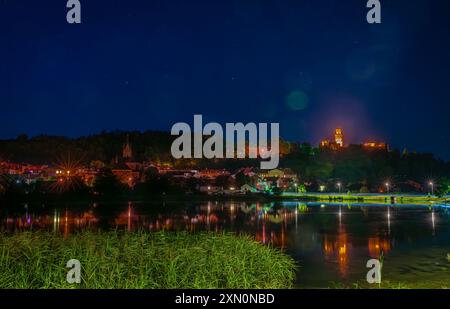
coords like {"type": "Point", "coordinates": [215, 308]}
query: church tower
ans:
{"type": "Point", "coordinates": [127, 152]}
{"type": "Point", "coordinates": [339, 137]}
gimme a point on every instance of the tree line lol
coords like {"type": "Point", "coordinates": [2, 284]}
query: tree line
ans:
{"type": "Point", "coordinates": [358, 169]}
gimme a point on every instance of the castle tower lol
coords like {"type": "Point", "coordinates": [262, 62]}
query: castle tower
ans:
{"type": "Point", "coordinates": [339, 137]}
{"type": "Point", "coordinates": [127, 152]}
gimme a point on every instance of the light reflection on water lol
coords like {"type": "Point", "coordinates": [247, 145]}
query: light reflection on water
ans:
{"type": "Point", "coordinates": [331, 242]}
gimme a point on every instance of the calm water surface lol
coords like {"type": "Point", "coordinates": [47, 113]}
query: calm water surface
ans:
{"type": "Point", "coordinates": [331, 242]}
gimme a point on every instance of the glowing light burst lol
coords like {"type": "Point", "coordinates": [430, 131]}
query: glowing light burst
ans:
{"type": "Point", "coordinates": [68, 165]}
{"type": "Point", "coordinates": [67, 174]}
{"type": "Point", "coordinates": [65, 184]}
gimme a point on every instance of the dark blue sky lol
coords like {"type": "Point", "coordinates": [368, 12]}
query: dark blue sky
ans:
{"type": "Point", "coordinates": [310, 65]}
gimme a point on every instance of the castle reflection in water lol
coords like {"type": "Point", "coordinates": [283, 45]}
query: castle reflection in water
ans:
{"type": "Point", "coordinates": [335, 230]}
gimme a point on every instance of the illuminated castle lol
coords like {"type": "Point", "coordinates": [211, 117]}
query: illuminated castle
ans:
{"type": "Point", "coordinates": [338, 143]}
{"type": "Point", "coordinates": [338, 140]}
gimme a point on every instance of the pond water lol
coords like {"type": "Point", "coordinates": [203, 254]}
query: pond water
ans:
{"type": "Point", "coordinates": [331, 242]}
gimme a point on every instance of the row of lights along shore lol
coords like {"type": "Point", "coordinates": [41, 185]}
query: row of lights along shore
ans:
{"type": "Point", "coordinates": [388, 186]}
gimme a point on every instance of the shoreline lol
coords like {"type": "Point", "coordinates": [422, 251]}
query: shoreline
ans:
{"type": "Point", "coordinates": [391, 199]}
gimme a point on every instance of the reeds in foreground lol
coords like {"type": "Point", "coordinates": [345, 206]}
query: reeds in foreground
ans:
{"type": "Point", "coordinates": [111, 260]}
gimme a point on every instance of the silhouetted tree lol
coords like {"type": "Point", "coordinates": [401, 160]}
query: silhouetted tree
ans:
{"type": "Point", "coordinates": [107, 184]}
{"type": "Point", "coordinates": [443, 187]}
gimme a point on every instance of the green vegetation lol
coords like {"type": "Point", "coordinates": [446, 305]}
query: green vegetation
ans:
{"type": "Point", "coordinates": [378, 199]}
{"type": "Point", "coordinates": [142, 260]}
{"type": "Point", "coordinates": [362, 171]}
{"type": "Point", "coordinates": [443, 187]}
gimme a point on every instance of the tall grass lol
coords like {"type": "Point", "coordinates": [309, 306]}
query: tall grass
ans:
{"type": "Point", "coordinates": [142, 260]}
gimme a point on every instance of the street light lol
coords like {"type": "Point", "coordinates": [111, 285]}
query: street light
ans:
{"type": "Point", "coordinates": [432, 187]}
{"type": "Point", "coordinates": [339, 186]}
{"type": "Point", "coordinates": [387, 187]}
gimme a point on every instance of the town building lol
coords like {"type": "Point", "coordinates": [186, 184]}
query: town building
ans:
{"type": "Point", "coordinates": [279, 178]}
{"type": "Point", "coordinates": [372, 145]}
{"type": "Point", "coordinates": [126, 175]}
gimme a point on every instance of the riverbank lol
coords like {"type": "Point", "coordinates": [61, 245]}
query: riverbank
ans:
{"type": "Point", "coordinates": [252, 197]}
{"type": "Point", "coordinates": [159, 260]}
{"type": "Point", "coordinates": [367, 198]}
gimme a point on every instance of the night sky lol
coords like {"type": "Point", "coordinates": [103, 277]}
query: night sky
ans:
{"type": "Point", "coordinates": [309, 65]}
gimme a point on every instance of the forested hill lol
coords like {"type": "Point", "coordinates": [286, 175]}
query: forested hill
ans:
{"type": "Point", "coordinates": [352, 164]}
{"type": "Point", "coordinates": [105, 147]}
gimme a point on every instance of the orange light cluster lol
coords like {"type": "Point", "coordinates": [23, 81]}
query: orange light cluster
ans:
{"type": "Point", "coordinates": [375, 145]}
